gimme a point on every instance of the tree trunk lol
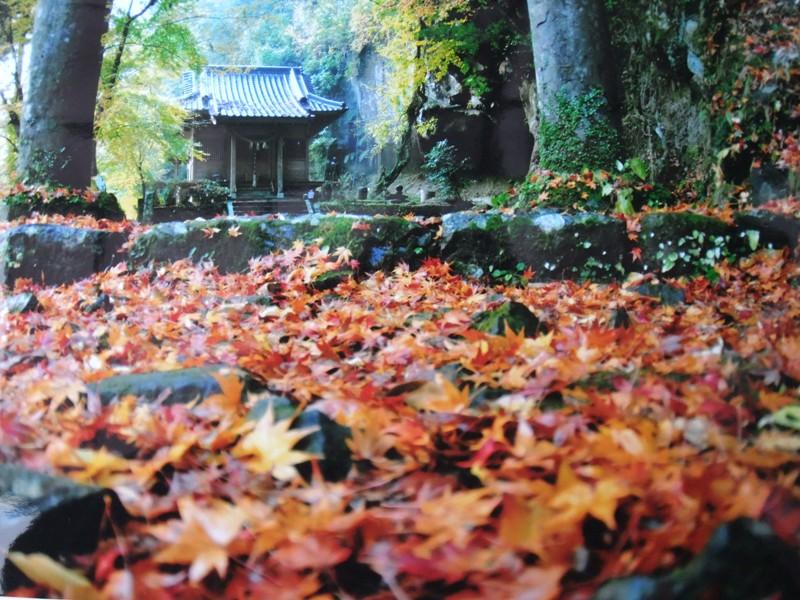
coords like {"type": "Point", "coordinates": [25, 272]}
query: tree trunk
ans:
{"type": "Point", "coordinates": [571, 50]}
{"type": "Point", "coordinates": [57, 144]}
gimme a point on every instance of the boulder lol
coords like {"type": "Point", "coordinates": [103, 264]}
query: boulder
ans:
{"type": "Point", "coordinates": [182, 385]}
{"type": "Point", "coordinates": [392, 240]}
{"type": "Point", "coordinates": [743, 559]}
{"type": "Point", "coordinates": [228, 243]}
{"type": "Point", "coordinates": [22, 303]}
{"type": "Point", "coordinates": [619, 319]}
{"type": "Point", "coordinates": [56, 254]}
{"type": "Point", "coordinates": [49, 515]}
{"type": "Point", "coordinates": [774, 230]}
{"type": "Point", "coordinates": [376, 243]}
{"type": "Point", "coordinates": [475, 243]}
{"type": "Point", "coordinates": [667, 294]}
{"type": "Point", "coordinates": [770, 183]}
{"type": "Point", "coordinates": [329, 441]}
{"type": "Point", "coordinates": [330, 280]}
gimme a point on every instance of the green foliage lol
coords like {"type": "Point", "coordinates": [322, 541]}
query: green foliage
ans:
{"type": "Point", "coordinates": [318, 154]}
{"type": "Point", "coordinates": [579, 136]}
{"type": "Point", "coordinates": [444, 169]}
{"type": "Point", "coordinates": [788, 416]}
{"type": "Point", "coordinates": [24, 202]}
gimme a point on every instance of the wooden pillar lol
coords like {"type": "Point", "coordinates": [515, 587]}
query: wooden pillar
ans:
{"type": "Point", "coordinates": [190, 168]}
{"type": "Point", "coordinates": [233, 166]}
{"type": "Point", "coordinates": [280, 167]}
{"type": "Point", "coordinates": [254, 161]}
{"type": "Point", "coordinates": [308, 162]}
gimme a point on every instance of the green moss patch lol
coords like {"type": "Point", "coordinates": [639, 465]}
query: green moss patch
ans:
{"type": "Point", "coordinates": [684, 243]}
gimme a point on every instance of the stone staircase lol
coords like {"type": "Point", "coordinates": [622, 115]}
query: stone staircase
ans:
{"type": "Point", "coordinates": [262, 201]}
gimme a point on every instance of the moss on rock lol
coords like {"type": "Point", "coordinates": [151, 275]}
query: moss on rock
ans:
{"type": "Point", "coordinates": [555, 246]}
{"type": "Point", "coordinates": [684, 243]}
{"type": "Point", "coordinates": [476, 243]}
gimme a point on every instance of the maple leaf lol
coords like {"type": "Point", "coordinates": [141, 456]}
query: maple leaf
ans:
{"type": "Point", "coordinates": [574, 499]}
{"type": "Point", "coordinates": [202, 538]}
{"type": "Point", "coordinates": [229, 400]}
{"type": "Point", "coordinates": [268, 448]}
{"type": "Point", "coordinates": [234, 231]}
{"type": "Point", "coordinates": [312, 552]}
{"type": "Point", "coordinates": [636, 253]}
{"type": "Point", "coordinates": [439, 395]}
{"type": "Point", "coordinates": [342, 255]}
{"type": "Point", "coordinates": [43, 570]}
{"type": "Point", "coordinates": [100, 466]}
{"type": "Point", "coordinates": [209, 232]}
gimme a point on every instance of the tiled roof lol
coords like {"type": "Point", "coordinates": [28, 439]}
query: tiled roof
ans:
{"type": "Point", "coordinates": [254, 92]}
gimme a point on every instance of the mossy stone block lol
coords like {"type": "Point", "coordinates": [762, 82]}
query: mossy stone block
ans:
{"type": "Point", "coordinates": [183, 385]}
{"type": "Point", "coordinates": [513, 315]}
{"type": "Point", "coordinates": [555, 246]}
{"type": "Point", "coordinates": [55, 254]}
{"type": "Point", "coordinates": [683, 243]}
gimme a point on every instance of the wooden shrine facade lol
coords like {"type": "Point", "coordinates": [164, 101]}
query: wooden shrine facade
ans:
{"type": "Point", "coordinates": [254, 126]}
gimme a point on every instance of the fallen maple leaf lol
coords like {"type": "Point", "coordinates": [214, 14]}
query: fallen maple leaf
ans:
{"type": "Point", "coordinates": [202, 537]}
{"type": "Point", "coordinates": [439, 395]}
{"type": "Point", "coordinates": [43, 570]}
{"type": "Point", "coordinates": [229, 400]}
{"type": "Point", "coordinates": [268, 448]}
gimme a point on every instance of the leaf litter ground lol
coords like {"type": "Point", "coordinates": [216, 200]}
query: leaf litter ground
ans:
{"type": "Point", "coordinates": [483, 465]}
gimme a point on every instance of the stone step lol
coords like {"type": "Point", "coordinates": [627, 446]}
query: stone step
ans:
{"type": "Point", "coordinates": [260, 207]}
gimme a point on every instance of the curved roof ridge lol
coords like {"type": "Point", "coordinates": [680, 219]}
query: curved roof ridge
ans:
{"type": "Point", "coordinates": [250, 91]}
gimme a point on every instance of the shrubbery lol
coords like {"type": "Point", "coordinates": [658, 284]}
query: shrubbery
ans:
{"type": "Point", "coordinates": [445, 170]}
{"type": "Point", "coordinates": [625, 191]}
{"type": "Point", "coordinates": [204, 193]}
{"type": "Point", "coordinates": [24, 201]}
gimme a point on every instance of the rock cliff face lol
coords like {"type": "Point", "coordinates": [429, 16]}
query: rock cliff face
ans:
{"type": "Point", "coordinates": [493, 131]}
{"type": "Point", "coordinates": [672, 66]}
{"type": "Point", "coordinates": [698, 77]}
{"type": "Point", "coordinates": [663, 81]}
{"type": "Point", "coordinates": [362, 97]}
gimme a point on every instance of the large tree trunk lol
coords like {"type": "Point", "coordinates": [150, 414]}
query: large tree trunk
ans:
{"type": "Point", "coordinates": [57, 143]}
{"type": "Point", "coordinates": [571, 50]}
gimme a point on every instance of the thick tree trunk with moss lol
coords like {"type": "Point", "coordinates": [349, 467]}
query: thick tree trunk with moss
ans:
{"type": "Point", "coordinates": [572, 58]}
{"type": "Point", "coordinates": [57, 142]}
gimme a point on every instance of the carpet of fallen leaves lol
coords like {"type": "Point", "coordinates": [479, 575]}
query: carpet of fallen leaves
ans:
{"type": "Point", "coordinates": [603, 451]}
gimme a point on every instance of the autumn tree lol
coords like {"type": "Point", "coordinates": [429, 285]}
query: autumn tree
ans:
{"type": "Point", "coordinates": [423, 41]}
{"type": "Point", "coordinates": [57, 136]}
{"type": "Point", "coordinates": [155, 34]}
{"type": "Point", "coordinates": [139, 124]}
{"type": "Point", "coordinates": [16, 19]}
{"type": "Point", "coordinates": [575, 84]}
